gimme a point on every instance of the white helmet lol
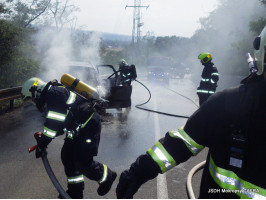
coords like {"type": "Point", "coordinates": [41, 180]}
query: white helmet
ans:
{"type": "Point", "coordinates": [122, 62]}
{"type": "Point", "coordinates": [33, 88]}
{"type": "Point", "coordinates": [260, 49]}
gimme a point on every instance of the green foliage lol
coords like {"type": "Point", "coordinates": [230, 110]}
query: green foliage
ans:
{"type": "Point", "coordinates": [257, 26]}
{"type": "Point", "coordinates": [23, 13]}
{"type": "Point", "coordinates": [111, 56]}
{"type": "Point", "coordinates": [3, 9]}
{"type": "Point", "coordinates": [17, 61]}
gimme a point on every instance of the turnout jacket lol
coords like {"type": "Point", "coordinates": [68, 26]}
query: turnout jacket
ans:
{"type": "Point", "coordinates": [67, 113]}
{"type": "Point", "coordinates": [209, 79]}
{"type": "Point", "coordinates": [235, 136]}
{"type": "Point", "coordinates": [127, 74]}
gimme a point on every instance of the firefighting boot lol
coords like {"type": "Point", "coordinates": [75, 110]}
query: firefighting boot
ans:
{"type": "Point", "coordinates": [106, 182]}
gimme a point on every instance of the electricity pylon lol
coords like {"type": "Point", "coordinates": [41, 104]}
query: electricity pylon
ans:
{"type": "Point", "coordinates": [137, 20]}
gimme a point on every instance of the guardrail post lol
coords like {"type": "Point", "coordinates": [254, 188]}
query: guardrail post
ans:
{"type": "Point", "coordinates": [11, 104]}
{"type": "Point", "coordinates": [10, 94]}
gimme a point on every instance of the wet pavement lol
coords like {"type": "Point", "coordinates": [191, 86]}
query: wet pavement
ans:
{"type": "Point", "coordinates": [23, 176]}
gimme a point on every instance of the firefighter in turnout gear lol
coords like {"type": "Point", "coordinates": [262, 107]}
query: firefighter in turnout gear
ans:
{"type": "Point", "coordinates": [232, 125]}
{"type": "Point", "coordinates": [69, 113]}
{"type": "Point", "coordinates": [127, 73]}
{"type": "Point", "coordinates": [209, 78]}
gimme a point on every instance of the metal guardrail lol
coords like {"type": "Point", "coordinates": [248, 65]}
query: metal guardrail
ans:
{"type": "Point", "coordinates": [9, 94]}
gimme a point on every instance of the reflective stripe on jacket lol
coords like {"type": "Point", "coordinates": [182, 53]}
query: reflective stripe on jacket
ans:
{"type": "Point", "coordinates": [210, 77]}
{"type": "Point", "coordinates": [164, 159]}
{"type": "Point", "coordinates": [58, 100]}
{"type": "Point", "coordinates": [229, 181]}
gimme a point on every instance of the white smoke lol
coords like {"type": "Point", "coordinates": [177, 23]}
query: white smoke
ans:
{"type": "Point", "coordinates": [58, 51]}
{"type": "Point", "coordinates": [90, 51]}
{"type": "Point", "coordinates": [55, 49]}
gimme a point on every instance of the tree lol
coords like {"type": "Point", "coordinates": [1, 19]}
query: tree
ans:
{"type": "Point", "coordinates": [53, 12]}
{"type": "Point", "coordinates": [226, 35]}
{"type": "Point", "coordinates": [3, 9]}
{"type": "Point", "coordinates": [62, 13]}
{"type": "Point", "coordinates": [25, 12]}
{"type": "Point", "coordinates": [257, 25]}
{"type": "Point", "coordinates": [17, 61]}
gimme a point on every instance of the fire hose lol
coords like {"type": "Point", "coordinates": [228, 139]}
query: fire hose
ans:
{"type": "Point", "coordinates": [50, 173]}
{"type": "Point", "coordinates": [194, 170]}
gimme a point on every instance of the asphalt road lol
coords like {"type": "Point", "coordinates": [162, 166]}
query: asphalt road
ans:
{"type": "Point", "coordinates": [24, 177]}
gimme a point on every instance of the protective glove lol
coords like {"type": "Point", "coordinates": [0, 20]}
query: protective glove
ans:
{"type": "Point", "coordinates": [142, 170]}
{"type": "Point", "coordinates": [42, 142]}
{"type": "Point", "coordinates": [128, 185]}
{"type": "Point", "coordinates": [40, 152]}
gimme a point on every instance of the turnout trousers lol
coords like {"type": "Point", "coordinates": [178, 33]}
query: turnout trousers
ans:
{"type": "Point", "coordinates": [203, 97]}
{"type": "Point", "coordinates": [77, 157]}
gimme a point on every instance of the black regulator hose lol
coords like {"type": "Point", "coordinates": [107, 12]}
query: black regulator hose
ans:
{"type": "Point", "coordinates": [163, 113]}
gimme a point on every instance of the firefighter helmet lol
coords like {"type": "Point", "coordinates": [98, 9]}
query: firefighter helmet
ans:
{"type": "Point", "coordinates": [33, 87]}
{"type": "Point", "coordinates": [205, 57]}
{"type": "Point", "coordinates": [122, 62]}
{"type": "Point", "coordinates": [260, 51]}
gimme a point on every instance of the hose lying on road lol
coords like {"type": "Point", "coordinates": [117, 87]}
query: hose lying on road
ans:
{"type": "Point", "coordinates": [182, 96]}
{"type": "Point", "coordinates": [53, 178]}
{"type": "Point", "coordinates": [163, 113]}
{"type": "Point", "coordinates": [195, 169]}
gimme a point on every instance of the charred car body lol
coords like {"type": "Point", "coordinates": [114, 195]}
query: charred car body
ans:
{"type": "Point", "coordinates": [107, 81]}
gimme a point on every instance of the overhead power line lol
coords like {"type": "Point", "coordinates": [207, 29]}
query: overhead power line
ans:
{"type": "Point", "coordinates": [137, 21]}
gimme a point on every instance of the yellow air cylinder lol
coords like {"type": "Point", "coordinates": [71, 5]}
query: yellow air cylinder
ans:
{"type": "Point", "coordinates": [79, 86]}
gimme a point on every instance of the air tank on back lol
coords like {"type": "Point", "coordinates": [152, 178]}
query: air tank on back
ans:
{"type": "Point", "coordinates": [80, 87]}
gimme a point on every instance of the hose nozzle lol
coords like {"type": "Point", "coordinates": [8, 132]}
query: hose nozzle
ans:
{"type": "Point", "coordinates": [251, 64]}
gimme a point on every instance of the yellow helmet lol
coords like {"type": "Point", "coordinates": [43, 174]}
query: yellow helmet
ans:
{"type": "Point", "coordinates": [33, 87]}
{"type": "Point", "coordinates": [205, 57]}
{"type": "Point", "coordinates": [260, 49]}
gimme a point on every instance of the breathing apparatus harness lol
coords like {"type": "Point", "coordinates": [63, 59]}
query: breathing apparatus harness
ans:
{"type": "Point", "coordinates": [240, 128]}
{"type": "Point", "coordinates": [89, 106]}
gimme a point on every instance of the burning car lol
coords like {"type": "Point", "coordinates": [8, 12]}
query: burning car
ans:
{"type": "Point", "coordinates": [107, 81]}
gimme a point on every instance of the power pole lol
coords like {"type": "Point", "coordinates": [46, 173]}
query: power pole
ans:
{"type": "Point", "coordinates": [137, 20]}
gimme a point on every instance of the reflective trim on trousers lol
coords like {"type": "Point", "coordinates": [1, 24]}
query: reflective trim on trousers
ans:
{"type": "Point", "coordinates": [161, 157]}
{"type": "Point", "coordinates": [72, 98]}
{"type": "Point", "coordinates": [56, 116]}
{"type": "Point", "coordinates": [205, 91]}
{"type": "Point", "coordinates": [227, 179]}
{"type": "Point", "coordinates": [194, 147]}
{"type": "Point", "coordinates": [105, 174]}
{"type": "Point", "coordinates": [49, 133]}
{"type": "Point", "coordinates": [75, 179]}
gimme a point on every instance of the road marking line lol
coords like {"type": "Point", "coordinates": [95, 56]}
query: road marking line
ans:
{"type": "Point", "coordinates": [162, 191]}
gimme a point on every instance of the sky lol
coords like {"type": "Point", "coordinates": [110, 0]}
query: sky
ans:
{"type": "Point", "coordinates": [162, 18]}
